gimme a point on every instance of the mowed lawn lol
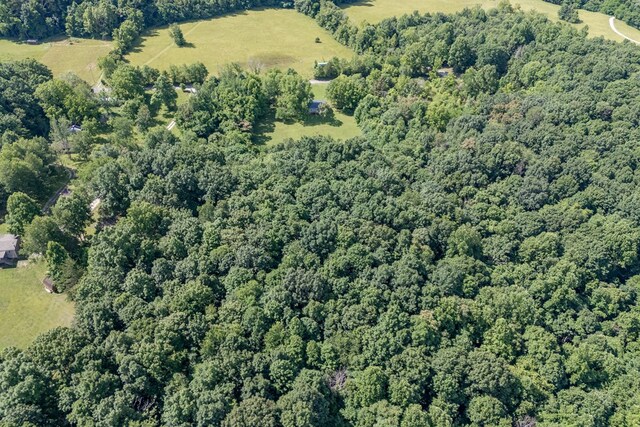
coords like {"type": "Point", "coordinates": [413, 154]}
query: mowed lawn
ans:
{"type": "Point", "coordinates": [376, 10]}
{"type": "Point", "coordinates": [26, 310]}
{"type": "Point", "coordinates": [61, 55]}
{"type": "Point", "coordinates": [340, 126]}
{"type": "Point", "coordinates": [263, 38]}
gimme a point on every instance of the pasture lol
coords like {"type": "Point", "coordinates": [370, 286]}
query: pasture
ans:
{"type": "Point", "coordinates": [376, 10]}
{"type": "Point", "coordinates": [256, 39]}
{"type": "Point", "coordinates": [340, 126]}
{"type": "Point", "coordinates": [26, 310]}
{"type": "Point", "coordinates": [61, 55]}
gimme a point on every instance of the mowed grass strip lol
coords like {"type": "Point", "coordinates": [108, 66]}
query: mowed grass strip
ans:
{"type": "Point", "coordinates": [340, 126]}
{"type": "Point", "coordinates": [374, 11]}
{"type": "Point", "coordinates": [62, 55]}
{"type": "Point", "coordinates": [256, 39]}
{"type": "Point", "coordinates": [26, 310]}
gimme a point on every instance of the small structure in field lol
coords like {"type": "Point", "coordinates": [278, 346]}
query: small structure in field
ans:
{"type": "Point", "coordinates": [47, 282]}
{"type": "Point", "coordinates": [316, 106]}
{"type": "Point", "coordinates": [32, 41]}
{"type": "Point", "coordinates": [9, 249]}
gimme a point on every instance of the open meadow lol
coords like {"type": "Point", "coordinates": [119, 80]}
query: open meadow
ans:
{"type": "Point", "coordinates": [61, 55]}
{"type": "Point", "coordinates": [266, 38]}
{"type": "Point", "coordinates": [26, 310]}
{"type": "Point", "coordinates": [376, 10]}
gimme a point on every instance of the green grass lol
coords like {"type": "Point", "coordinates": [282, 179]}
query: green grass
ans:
{"type": "Point", "coordinates": [266, 38]}
{"type": "Point", "coordinates": [376, 10]}
{"type": "Point", "coordinates": [340, 126]}
{"type": "Point", "coordinates": [61, 55]}
{"type": "Point", "coordinates": [26, 310]}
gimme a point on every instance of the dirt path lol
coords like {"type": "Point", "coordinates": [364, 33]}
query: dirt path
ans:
{"type": "Point", "coordinates": [319, 82]}
{"type": "Point", "coordinates": [615, 30]}
{"type": "Point", "coordinates": [52, 200]}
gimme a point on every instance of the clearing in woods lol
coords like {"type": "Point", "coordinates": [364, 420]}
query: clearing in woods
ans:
{"type": "Point", "coordinates": [340, 126]}
{"type": "Point", "coordinates": [26, 310]}
{"type": "Point", "coordinates": [61, 55]}
{"type": "Point", "coordinates": [256, 39]}
{"type": "Point", "coordinates": [376, 10]}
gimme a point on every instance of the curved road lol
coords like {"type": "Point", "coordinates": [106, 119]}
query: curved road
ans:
{"type": "Point", "coordinates": [615, 30]}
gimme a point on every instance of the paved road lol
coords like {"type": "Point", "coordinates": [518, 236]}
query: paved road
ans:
{"type": "Point", "coordinates": [615, 30]}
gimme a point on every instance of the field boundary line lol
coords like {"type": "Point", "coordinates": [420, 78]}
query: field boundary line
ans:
{"type": "Point", "coordinates": [163, 51]}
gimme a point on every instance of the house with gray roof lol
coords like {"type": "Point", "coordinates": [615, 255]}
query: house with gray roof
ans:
{"type": "Point", "coordinates": [315, 106]}
{"type": "Point", "coordinates": [9, 248]}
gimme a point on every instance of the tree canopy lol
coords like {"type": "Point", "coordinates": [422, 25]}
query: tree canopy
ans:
{"type": "Point", "coordinates": [471, 259]}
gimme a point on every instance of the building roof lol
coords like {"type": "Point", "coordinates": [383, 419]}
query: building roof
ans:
{"type": "Point", "coordinates": [315, 105]}
{"type": "Point", "coordinates": [8, 242]}
{"type": "Point", "coordinates": [48, 284]}
{"type": "Point", "coordinates": [8, 247]}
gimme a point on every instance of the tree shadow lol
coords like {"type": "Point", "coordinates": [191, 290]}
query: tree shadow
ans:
{"type": "Point", "coordinates": [263, 129]}
{"type": "Point", "coordinates": [366, 3]}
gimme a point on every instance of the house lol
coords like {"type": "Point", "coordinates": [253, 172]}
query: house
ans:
{"type": "Point", "coordinates": [48, 285]}
{"type": "Point", "coordinates": [315, 107]}
{"type": "Point", "coordinates": [9, 247]}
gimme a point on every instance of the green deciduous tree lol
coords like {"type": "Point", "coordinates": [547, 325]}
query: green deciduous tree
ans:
{"type": "Point", "coordinates": [21, 209]}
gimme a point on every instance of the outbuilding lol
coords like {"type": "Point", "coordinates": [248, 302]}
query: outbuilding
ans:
{"type": "Point", "coordinates": [9, 249]}
{"type": "Point", "coordinates": [315, 107]}
{"type": "Point", "coordinates": [47, 282]}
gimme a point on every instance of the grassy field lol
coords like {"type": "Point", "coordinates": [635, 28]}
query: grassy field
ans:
{"type": "Point", "coordinates": [376, 10]}
{"type": "Point", "coordinates": [26, 310]}
{"type": "Point", "coordinates": [255, 39]}
{"type": "Point", "coordinates": [340, 126]}
{"type": "Point", "coordinates": [61, 55]}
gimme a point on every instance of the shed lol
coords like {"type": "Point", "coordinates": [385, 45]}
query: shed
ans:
{"type": "Point", "coordinates": [9, 249]}
{"type": "Point", "coordinates": [32, 41]}
{"type": "Point", "coordinates": [315, 107]}
{"type": "Point", "coordinates": [74, 128]}
{"type": "Point", "coordinates": [47, 282]}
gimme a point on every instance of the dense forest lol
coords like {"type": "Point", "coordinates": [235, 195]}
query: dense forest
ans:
{"type": "Point", "coordinates": [472, 259]}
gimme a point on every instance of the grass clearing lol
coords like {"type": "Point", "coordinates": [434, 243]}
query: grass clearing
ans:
{"type": "Point", "coordinates": [26, 310]}
{"type": "Point", "coordinates": [256, 39]}
{"type": "Point", "coordinates": [61, 55]}
{"type": "Point", "coordinates": [340, 126]}
{"type": "Point", "coordinates": [376, 10]}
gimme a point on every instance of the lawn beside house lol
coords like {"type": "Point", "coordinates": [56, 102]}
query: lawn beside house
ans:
{"type": "Point", "coordinates": [26, 310]}
{"type": "Point", "coordinates": [340, 126]}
